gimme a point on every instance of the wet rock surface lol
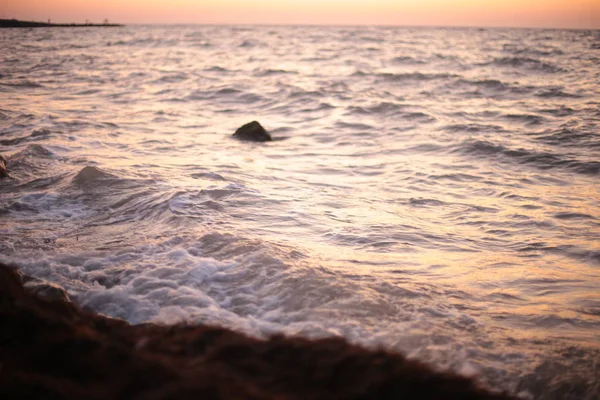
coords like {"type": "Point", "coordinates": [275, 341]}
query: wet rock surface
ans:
{"type": "Point", "coordinates": [253, 132]}
{"type": "Point", "coordinates": [55, 350]}
{"type": "Point", "coordinates": [47, 290]}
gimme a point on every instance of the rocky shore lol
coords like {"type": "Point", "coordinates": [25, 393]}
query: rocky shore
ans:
{"type": "Point", "coordinates": [51, 349]}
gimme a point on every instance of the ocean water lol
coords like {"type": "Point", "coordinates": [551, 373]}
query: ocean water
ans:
{"type": "Point", "coordinates": [431, 191]}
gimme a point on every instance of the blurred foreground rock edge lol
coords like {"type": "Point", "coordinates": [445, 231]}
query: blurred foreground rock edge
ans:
{"type": "Point", "coordinates": [51, 349]}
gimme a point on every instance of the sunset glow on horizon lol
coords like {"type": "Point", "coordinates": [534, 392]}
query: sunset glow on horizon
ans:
{"type": "Point", "coordinates": [509, 13]}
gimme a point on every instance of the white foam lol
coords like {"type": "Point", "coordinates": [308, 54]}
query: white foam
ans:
{"type": "Point", "coordinates": [251, 291]}
{"type": "Point", "coordinates": [47, 206]}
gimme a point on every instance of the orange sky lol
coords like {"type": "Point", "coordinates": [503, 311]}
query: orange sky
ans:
{"type": "Point", "coordinates": [530, 13]}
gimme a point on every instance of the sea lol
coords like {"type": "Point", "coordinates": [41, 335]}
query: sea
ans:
{"type": "Point", "coordinates": [432, 191]}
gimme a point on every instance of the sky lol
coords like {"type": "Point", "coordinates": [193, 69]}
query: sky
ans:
{"type": "Point", "coordinates": [481, 13]}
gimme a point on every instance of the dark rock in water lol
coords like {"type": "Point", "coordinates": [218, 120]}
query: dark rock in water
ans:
{"type": "Point", "coordinates": [254, 132]}
{"type": "Point", "coordinates": [55, 350]}
{"type": "Point", "coordinates": [3, 170]}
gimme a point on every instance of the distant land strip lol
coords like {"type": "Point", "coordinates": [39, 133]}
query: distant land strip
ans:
{"type": "Point", "coordinates": [15, 23]}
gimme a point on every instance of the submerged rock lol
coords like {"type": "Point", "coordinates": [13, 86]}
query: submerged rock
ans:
{"type": "Point", "coordinates": [3, 170]}
{"type": "Point", "coordinates": [254, 132]}
{"type": "Point", "coordinates": [55, 350]}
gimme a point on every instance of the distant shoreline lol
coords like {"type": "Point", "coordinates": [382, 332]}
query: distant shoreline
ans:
{"type": "Point", "coordinates": [15, 23]}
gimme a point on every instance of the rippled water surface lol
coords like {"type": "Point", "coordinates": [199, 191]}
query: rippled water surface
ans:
{"type": "Point", "coordinates": [433, 191]}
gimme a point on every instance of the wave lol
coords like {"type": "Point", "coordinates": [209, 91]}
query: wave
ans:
{"type": "Point", "coordinates": [494, 85]}
{"type": "Point", "coordinates": [555, 92]}
{"type": "Point", "coordinates": [406, 76]}
{"type": "Point", "coordinates": [87, 92]}
{"type": "Point", "coordinates": [306, 93]}
{"type": "Point", "coordinates": [541, 160]}
{"type": "Point", "coordinates": [407, 60]}
{"type": "Point", "coordinates": [26, 84]}
{"type": "Point", "coordinates": [226, 94]}
{"type": "Point", "coordinates": [354, 126]}
{"type": "Point", "coordinates": [533, 52]}
{"type": "Point", "coordinates": [560, 111]}
{"type": "Point", "coordinates": [227, 91]}
{"type": "Point", "coordinates": [573, 215]}
{"type": "Point", "coordinates": [91, 175]}
{"type": "Point", "coordinates": [322, 106]}
{"type": "Point", "coordinates": [46, 204]}
{"type": "Point", "coordinates": [383, 108]}
{"type": "Point", "coordinates": [216, 68]}
{"type": "Point", "coordinates": [416, 116]}
{"type": "Point", "coordinates": [489, 84]}
{"type": "Point", "coordinates": [414, 76]}
{"type": "Point", "coordinates": [249, 43]}
{"type": "Point", "coordinates": [570, 136]}
{"type": "Point", "coordinates": [391, 109]}
{"type": "Point", "coordinates": [172, 78]}
{"type": "Point", "coordinates": [426, 202]}
{"type": "Point", "coordinates": [35, 134]}
{"type": "Point", "coordinates": [455, 177]}
{"type": "Point", "coordinates": [178, 280]}
{"type": "Point", "coordinates": [144, 42]}
{"type": "Point", "coordinates": [32, 152]}
{"type": "Point", "coordinates": [527, 119]}
{"type": "Point", "coordinates": [273, 72]}
{"type": "Point", "coordinates": [473, 128]}
{"type": "Point", "coordinates": [208, 175]}
{"type": "Point", "coordinates": [40, 132]}
{"type": "Point", "coordinates": [18, 206]}
{"type": "Point", "coordinates": [530, 64]}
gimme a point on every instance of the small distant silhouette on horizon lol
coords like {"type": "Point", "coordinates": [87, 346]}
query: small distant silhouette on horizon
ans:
{"type": "Point", "coordinates": [15, 23]}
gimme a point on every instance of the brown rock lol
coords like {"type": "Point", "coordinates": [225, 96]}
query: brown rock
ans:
{"type": "Point", "coordinates": [47, 290]}
{"type": "Point", "coordinates": [252, 131]}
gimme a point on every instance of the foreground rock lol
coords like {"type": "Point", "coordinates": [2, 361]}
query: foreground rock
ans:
{"type": "Point", "coordinates": [254, 132]}
{"type": "Point", "coordinates": [3, 170]}
{"type": "Point", "coordinates": [46, 290]}
{"type": "Point", "coordinates": [54, 350]}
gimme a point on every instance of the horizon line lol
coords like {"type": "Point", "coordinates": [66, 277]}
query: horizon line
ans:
{"type": "Point", "coordinates": [314, 25]}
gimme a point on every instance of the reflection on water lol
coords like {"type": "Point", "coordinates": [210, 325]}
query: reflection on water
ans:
{"type": "Point", "coordinates": [436, 190]}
